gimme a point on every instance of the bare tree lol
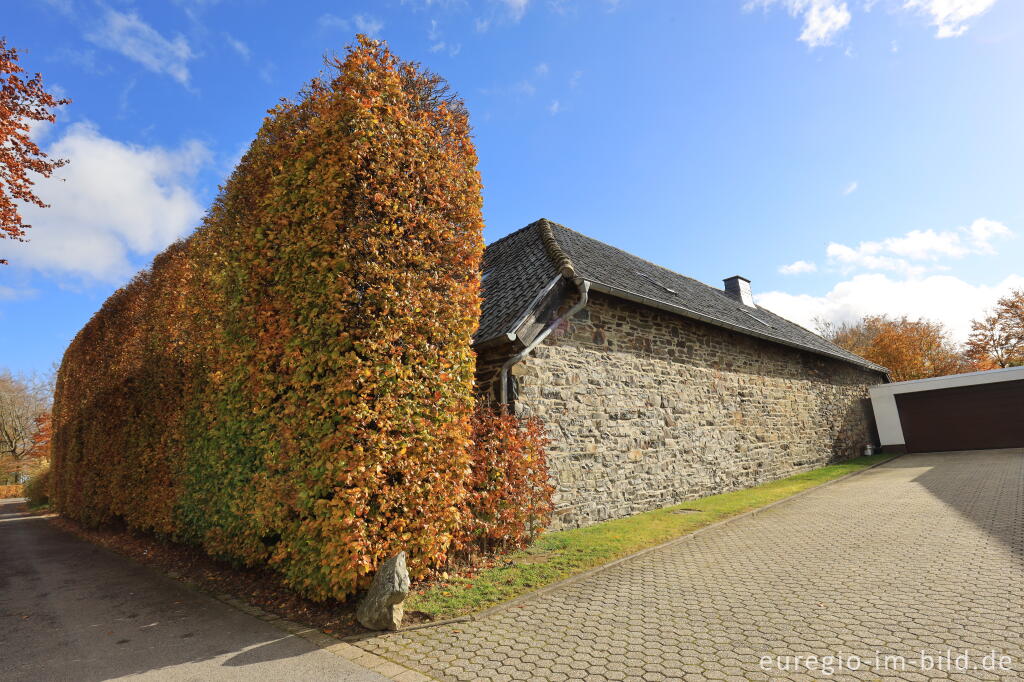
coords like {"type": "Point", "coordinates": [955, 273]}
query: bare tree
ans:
{"type": "Point", "coordinates": [24, 402]}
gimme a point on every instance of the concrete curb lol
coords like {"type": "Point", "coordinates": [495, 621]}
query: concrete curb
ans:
{"type": "Point", "coordinates": [419, 626]}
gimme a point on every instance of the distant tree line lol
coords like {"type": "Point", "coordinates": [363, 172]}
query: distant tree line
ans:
{"type": "Point", "coordinates": [918, 349]}
{"type": "Point", "coordinates": [24, 426]}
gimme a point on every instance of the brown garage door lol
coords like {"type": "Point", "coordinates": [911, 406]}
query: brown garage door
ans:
{"type": "Point", "coordinates": [964, 418]}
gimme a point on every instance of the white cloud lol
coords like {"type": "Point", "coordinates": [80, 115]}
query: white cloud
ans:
{"type": "Point", "coordinates": [823, 19]}
{"type": "Point", "coordinates": [542, 69]}
{"type": "Point", "coordinates": [980, 234]}
{"type": "Point", "coordinates": [517, 8]}
{"type": "Point", "coordinates": [65, 7]}
{"type": "Point", "coordinates": [851, 188]}
{"type": "Point", "coordinates": [906, 253]}
{"type": "Point", "coordinates": [574, 80]}
{"type": "Point", "coordinates": [866, 256]}
{"type": "Point", "coordinates": [267, 72]}
{"type": "Point", "coordinates": [451, 49]}
{"type": "Point", "coordinates": [950, 17]}
{"type": "Point", "coordinates": [126, 33]}
{"type": "Point", "coordinates": [332, 21]}
{"type": "Point", "coordinates": [912, 291]}
{"type": "Point", "coordinates": [944, 298]}
{"type": "Point", "coordinates": [554, 107]}
{"type": "Point", "coordinates": [11, 294]}
{"type": "Point", "coordinates": [435, 36]}
{"type": "Point", "coordinates": [362, 23]}
{"type": "Point", "coordinates": [563, 7]}
{"type": "Point", "coordinates": [798, 267]}
{"type": "Point", "coordinates": [40, 130]}
{"type": "Point", "coordinates": [85, 59]}
{"type": "Point", "coordinates": [481, 25]}
{"type": "Point", "coordinates": [111, 201]}
{"type": "Point", "coordinates": [238, 46]}
{"type": "Point", "coordinates": [927, 245]}
{"type": "Point", "coordinates": [368, 25]}
{"type": "Point", "coordinates": [523, 88]}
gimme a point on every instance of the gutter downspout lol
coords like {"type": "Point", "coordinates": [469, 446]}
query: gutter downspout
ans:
{"type": "Point", "coordinates": [583, 287]}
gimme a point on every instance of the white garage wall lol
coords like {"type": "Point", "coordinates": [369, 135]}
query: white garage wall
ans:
{"type": "Point", "coordinates": [883, 396]}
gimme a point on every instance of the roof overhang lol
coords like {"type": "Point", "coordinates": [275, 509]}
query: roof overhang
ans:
{"type": "Point", "coordinates": [512, 335]}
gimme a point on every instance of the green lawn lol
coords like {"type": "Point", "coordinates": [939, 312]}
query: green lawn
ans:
{"type": "Point", "coordinates": [558, 555]}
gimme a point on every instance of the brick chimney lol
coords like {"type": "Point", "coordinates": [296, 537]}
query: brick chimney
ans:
{"type": "Point", "coordinates": [739, 288]}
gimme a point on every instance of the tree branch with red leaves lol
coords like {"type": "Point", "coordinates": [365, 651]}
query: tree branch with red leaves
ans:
{"type": "Point", "coordinates": [22, 103]}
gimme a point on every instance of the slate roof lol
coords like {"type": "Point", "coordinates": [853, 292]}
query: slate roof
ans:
{"type": "Point", "coordinates": [518, 269]}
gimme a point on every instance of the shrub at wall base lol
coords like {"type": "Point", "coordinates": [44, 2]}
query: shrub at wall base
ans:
{"type": "Point", "coordinates": [509, 498]}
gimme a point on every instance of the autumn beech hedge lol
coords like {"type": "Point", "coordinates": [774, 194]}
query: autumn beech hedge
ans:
{"type": "Point", "coordinates": [292, 385]}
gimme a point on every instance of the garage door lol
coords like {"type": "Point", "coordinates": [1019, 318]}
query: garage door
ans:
{"type": "Point", "coordinates": [964, 418]}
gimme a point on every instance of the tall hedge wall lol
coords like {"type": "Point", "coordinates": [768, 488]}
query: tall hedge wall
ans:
{"type": "Point", "coordinates": [292, 385]}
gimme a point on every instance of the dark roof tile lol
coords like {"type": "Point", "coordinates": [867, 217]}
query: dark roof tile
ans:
{"type": "Point", "coordinates": [518, 268]}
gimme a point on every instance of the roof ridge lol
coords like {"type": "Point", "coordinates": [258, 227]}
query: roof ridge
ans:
{"type": "Point", "coordinates": [783, 329]}
{"type": "Point", "coordinates": [640, 258]}
{"type": "Point", "coordinates": [554, 249]}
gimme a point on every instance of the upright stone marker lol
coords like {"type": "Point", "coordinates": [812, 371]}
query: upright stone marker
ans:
{"type": "Point", "coordinates": [381, 608]}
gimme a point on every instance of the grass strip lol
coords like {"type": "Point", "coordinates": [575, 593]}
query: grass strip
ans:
{"type": "Point", "coordinates": [561, 554]}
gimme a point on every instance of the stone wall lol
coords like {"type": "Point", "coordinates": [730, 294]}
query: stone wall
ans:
{"type": "Point", "coordinates": [647, 409]}
{"type": "Point", "coordinates": [488, 371]}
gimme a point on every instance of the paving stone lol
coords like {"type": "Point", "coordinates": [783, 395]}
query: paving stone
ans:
{"type": "Point", "coordinates": [924, 553]}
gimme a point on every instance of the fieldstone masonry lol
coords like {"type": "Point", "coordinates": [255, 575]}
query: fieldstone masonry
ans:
{"type": "Point", "coordinates": [647, 409]}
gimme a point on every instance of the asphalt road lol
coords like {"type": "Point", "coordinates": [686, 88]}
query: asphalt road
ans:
{"type": "Point", "coordinates": [72, 611]}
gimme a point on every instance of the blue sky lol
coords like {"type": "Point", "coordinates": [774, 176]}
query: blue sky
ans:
{"type": "Point", "coordinates": [849, 157]}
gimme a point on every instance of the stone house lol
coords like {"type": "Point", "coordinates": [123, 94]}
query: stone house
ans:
{"type": "Point", "coordinates": [654, 387]}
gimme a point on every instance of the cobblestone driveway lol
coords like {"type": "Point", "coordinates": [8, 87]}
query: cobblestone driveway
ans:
{"type": "Point", "coordinates": [924, 553]}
